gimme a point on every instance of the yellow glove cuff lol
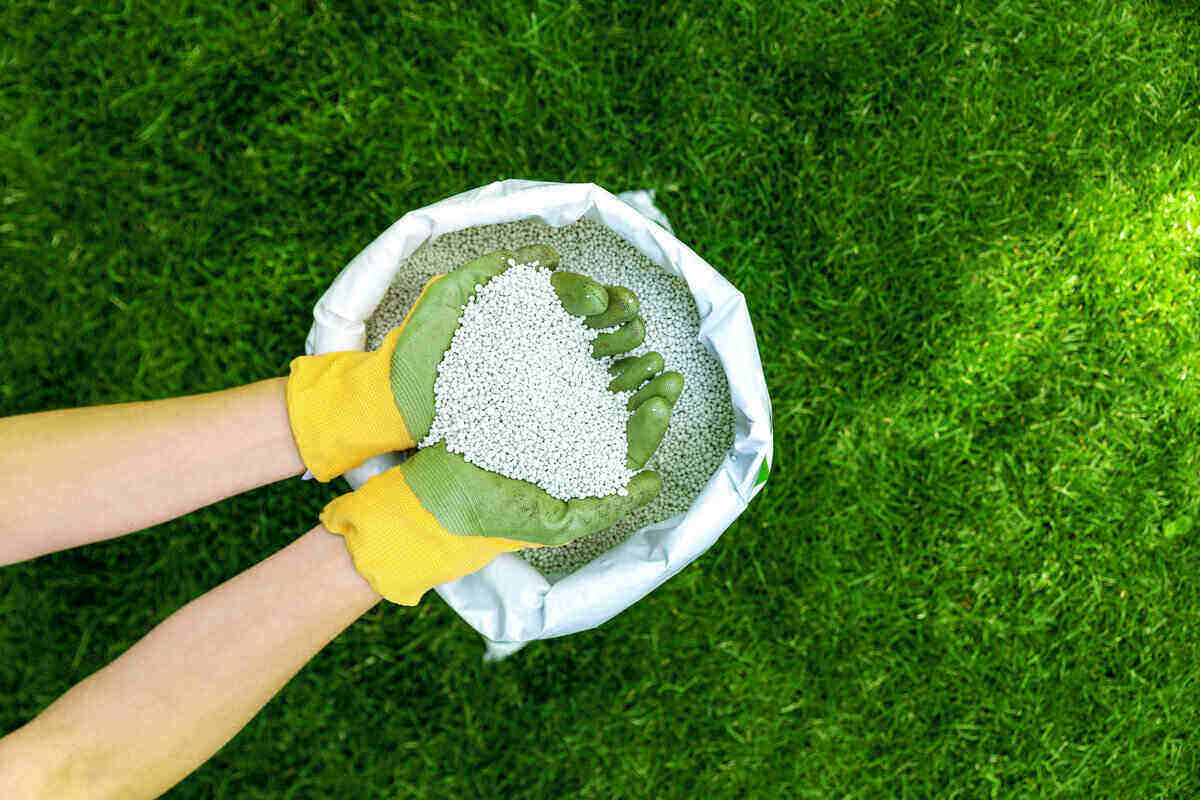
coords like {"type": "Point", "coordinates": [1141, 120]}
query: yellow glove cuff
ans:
{"type": "Point", "coordinates": [398, 546]}
{"type": "Point", "coordinates": [342, 411]}
{"type": "Point", "coordinates": [341, 406]}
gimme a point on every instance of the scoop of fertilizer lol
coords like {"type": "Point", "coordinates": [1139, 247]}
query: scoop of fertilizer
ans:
{"type": "Point", "coordinates": [527, 389]}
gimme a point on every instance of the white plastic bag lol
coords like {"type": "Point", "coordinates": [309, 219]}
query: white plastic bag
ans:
{"type": "Point", "coordinates": [508, 601]}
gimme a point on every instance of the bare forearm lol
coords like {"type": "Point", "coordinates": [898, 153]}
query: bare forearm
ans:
{"type": "Point", "coordinates": [141, 724]}
{"type": "Point", "coordinates": [83, 475]}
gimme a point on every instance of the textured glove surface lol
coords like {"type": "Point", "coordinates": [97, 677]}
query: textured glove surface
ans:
{"type": "Point", "coordinates": [398, 546]}
{"type": "Point", "coordinates": [436, 518]}
{"type": "Point", "coordinates": [470, 501]}
{"type": "Point", "coordinates": [341, 409]}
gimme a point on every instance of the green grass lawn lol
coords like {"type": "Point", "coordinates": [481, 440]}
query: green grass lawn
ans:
{"type": "Point", "coordinates": [969, 236]}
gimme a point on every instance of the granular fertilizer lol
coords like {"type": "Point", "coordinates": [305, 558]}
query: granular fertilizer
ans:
{"type": "Point", "coordinates": [519, 393]}
{"type": "Point", "coordinates": [701, 429]}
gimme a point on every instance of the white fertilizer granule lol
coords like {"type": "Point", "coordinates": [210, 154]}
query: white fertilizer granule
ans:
{"type": "Point", "coordinates": [519, 393]}
{"type": "Point", "coordinates": [701, 429]}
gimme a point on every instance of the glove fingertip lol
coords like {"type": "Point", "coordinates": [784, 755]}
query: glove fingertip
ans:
{"type": "Point", "coordinates": [643, 488]}
{"type": "Point", "coordinates": [579, 294]}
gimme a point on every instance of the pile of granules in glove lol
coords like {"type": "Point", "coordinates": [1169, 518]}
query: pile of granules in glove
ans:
{"type": "Point", "coordinates": [701, 429]}
{"type": "Point", "coordinates": [519, 393]}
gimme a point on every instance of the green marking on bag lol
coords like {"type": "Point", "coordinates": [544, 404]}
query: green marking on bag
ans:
{"type": "Point", "coordinates": [763, 472]}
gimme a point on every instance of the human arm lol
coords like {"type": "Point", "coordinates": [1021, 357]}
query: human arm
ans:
{"type": "Point", "coordinates": [83, 475]}
{"type": "Point", "coordinates": [145, 721]}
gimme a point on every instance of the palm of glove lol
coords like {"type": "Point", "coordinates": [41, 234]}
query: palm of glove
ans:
{"type": "Point", "coordinates": [469, 501]}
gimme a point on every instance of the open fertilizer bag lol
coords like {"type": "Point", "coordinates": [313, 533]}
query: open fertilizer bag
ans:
{"type": "Point", "coordinates": [509, 601]}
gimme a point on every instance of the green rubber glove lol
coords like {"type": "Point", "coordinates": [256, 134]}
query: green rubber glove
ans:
{"type": "Point", "coordinates": [470, 501]}
{"type": "Point", "coordinates": [437, 517]}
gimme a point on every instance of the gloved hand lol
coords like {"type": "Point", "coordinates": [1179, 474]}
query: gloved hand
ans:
{"type": "Point", "coordinates": [437, 517]}
{"type": "Point", "coordinates": [346, 407]}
